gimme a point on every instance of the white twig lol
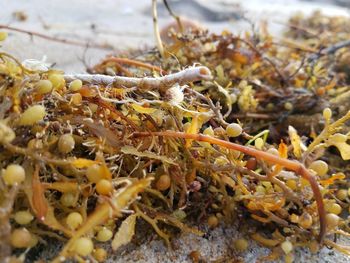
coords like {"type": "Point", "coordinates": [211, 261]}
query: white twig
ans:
{"type": "Point", "coordinates": [182, 77]}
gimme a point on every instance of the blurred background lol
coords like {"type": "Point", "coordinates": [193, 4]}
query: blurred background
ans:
{"type": "Point", "coordinates": [123, 24]}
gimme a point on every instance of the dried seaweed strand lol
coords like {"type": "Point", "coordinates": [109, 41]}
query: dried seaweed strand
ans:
{"type": "Point", "coordinates": [176, 17]}
{"type": "Point", "coordinates": [264, 57]}
{"type": "Point", "coordinates": [132, 62]}
{"type": "Point", "coordinates": [290, 194]}
{"type": "Point", "coordinates": [288, 164]}
{"type": "Point", "coordinates": [156, 28]}
{"type": "Point", "coordinates": [56, 39]}
{"type": "Point", "coordinates": [329, 50]}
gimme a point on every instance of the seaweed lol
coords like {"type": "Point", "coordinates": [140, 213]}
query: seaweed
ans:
{"type": "Point", "coordinates": [211, 128]}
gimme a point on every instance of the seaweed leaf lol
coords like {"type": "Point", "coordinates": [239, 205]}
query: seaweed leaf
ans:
{"type": "Point", "coordinates": [133, 151]}
{"type": "Point", "coordinates": [125, 232]}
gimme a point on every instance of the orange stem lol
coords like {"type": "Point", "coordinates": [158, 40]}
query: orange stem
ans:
{"type": "Point", "coordinates": [134, 63]}
{"type": "Point", "coordinates": [288, 164]}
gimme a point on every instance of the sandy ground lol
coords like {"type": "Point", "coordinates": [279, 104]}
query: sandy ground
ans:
{"type": "Point", "coordinates": [125, 24]}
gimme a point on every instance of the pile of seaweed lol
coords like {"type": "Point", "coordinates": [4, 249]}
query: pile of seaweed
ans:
{"type": "Point", "coordinates": [215, 128]}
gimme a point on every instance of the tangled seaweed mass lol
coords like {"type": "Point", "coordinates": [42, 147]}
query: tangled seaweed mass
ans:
{"type": "Point", "coordinates": [255, 131]}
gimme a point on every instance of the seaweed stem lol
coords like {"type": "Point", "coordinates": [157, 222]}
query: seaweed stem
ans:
{"type": "Point", "coordinates": [329, 50]}
{"type": "Point", "coordinates": [134, 63]}
{"type": "Point", "coordinates": [290, 194]}
{"type": "Point", "coordinates": [156, 28]}
{"type": "Point", "coordinates": [295, 166]}
{"type": "Point", "coordinates": [176, 17]}
{"type": "Point", "coordinates": [56, 39]}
